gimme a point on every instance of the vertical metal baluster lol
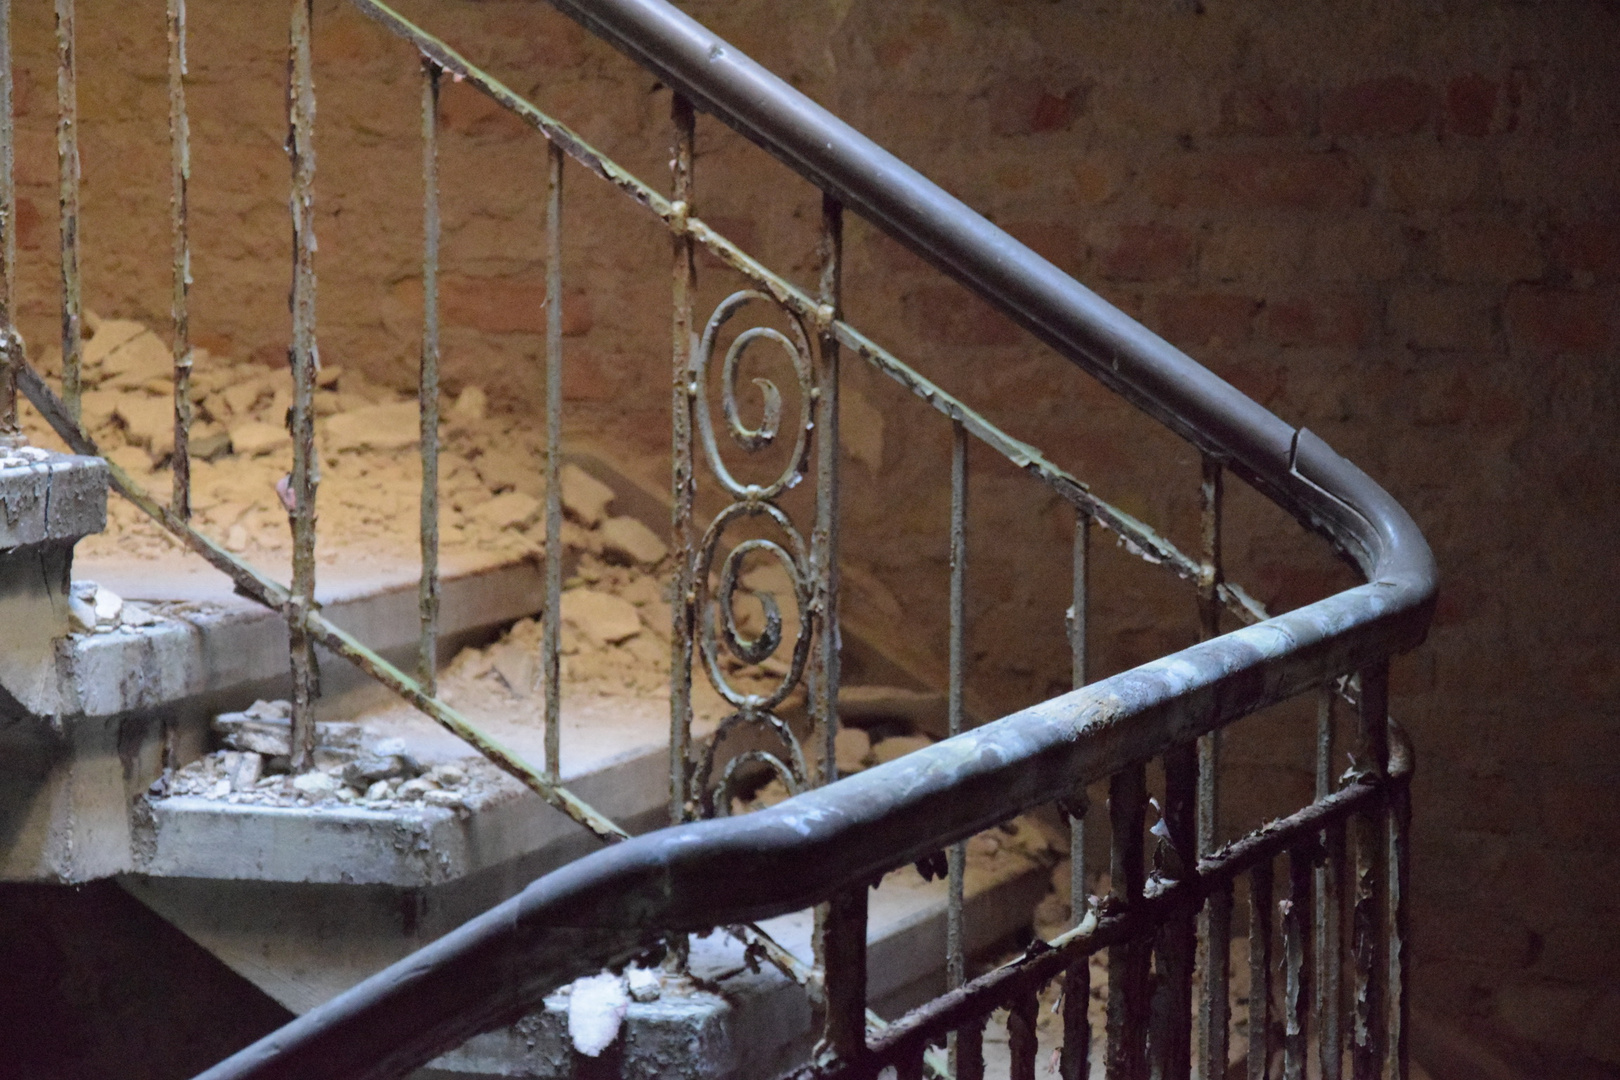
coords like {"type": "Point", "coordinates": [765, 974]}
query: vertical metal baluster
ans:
{"type": "Point", "coordinates": [684, 478]}
{"type": "Point", "coordinates": [1074, 1058]}
{"type": "Point", "coordinates": [1022, 1013]}
{"type": "Point", "coordinates": [305, 362]}
{"type": "Point", "coordinates": [1178, 939]}
{"type": "Point", "coordinates": [1128, 988]}
{"type": "Point", "coordinates": [1216, 1013]}
{"type": "Point", "coordinates": [968, 1063]}
{"type": "Point", "coordinates": [1260, 895]}
{"type": "Point", "coordinates": [824, 673]}
{"type": "Point", "coordinates": [1372, 754]}
{"type": "Point", "coordinates": [1329, 878]}
{"type": "Point", "coordinates": [179, 225]}
{"type": "Point", "coordinates": [551, 623]}
{"type": "Point", "coordinates": [10, 351]}
{"type": "Point", "coordinates": [1332, 1025]}
{"type": "Point", "coordinates": [843, 961]}
{"type": "Point", "coordinates": [1074, 1062]}
{"type": "Point", "coordinates": [1297, 962]}
{"type": "Point", "coordinates": [910, 1064]}
{"type": "Point", "coordinates": [1214, 944]}
{"type": "Point", "coordinates": [1400, 930]}
{"type": "Point", "coordinates": [427, 600]}
{"type": "Point", "coordinates": [956, 864]}
{"type": "Point", "coordinates": [67, 160]}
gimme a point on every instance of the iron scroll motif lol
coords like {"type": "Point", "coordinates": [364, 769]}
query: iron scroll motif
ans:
{"type": "Point", "coordinates": [715, 604]}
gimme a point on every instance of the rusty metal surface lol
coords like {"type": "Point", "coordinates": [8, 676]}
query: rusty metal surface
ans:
{"type": "Point", "coordinates": [427, 390]}
{"type": "Point", "coordinates": [305, 363]}
{"type": "Point", "coordinates": [551, 624]}
{"type": "Point", "coordinates": [67, 163]}
{"type": "Point", "coordinates": [10, 350]}
{"type": "Point", "coordinates": [683, 482]}
{"type": "Point", "coordinates": [180, 239]}
{"type": "Point", "coordinates": [580, 918]}
{"type": "Point", "coordinates": [1298, 960]}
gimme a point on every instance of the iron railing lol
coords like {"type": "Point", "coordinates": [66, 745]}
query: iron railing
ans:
{"type": "Point", "coordinates": [1166, 933]}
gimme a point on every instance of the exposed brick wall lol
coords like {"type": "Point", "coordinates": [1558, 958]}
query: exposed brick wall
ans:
{"type": "Point", "coordinates": [1396, 223]}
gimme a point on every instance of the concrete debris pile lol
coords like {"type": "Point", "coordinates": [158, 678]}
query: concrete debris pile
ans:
{"type": "Point", "coordinates": [353, 767]}
{"type": "Point", "coordinates": [491, 467]}
{"type": "Point", "coordinates": [95, 609]}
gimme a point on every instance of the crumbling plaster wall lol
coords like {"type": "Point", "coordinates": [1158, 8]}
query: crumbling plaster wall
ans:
{"type": "Point", "coordinates": [1397, 223]}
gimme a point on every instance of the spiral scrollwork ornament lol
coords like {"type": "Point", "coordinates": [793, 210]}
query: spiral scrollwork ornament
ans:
{"type": "Point", "coordinates": [718, 628]}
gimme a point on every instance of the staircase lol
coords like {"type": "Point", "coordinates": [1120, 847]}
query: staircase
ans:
{"type": "Point", "coordinates": [429, 884]}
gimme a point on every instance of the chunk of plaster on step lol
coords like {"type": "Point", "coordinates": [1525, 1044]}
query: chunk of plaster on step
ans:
{"type": "Point", "coordinates": [596, 1011]}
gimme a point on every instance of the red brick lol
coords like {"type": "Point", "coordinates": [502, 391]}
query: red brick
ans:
{"type": "Point", "coordinates": [1057, 242]}
{"type": "Point", "coordinates": [1423, 176]}
{"type": "Point", "coordinates": [1448, 318]}
{"type": "Point", "coordinates": [1265, 110]}
{"type": "Point", "coordinates": [30, 226]}
{"type": "Point", "coordinates": [1471, 105]}
{"type": "Point", "coordinates": [470, 112]}
{"type": "Point", "coordinates": [949, 315]}
{"type": "Point", "coordinates": [1359, 248]}
{"type": "Point", "coordinates": [1441, 402]}
{"type": "Point", "coordinates": [1320, 320]}
{"type": "Point", "coordinates": [1542, 323]}
{"type": "Point", "coordinates": [1322, 181]}
{"type": "Point", "coordinates": [1205, 320]}
{"type": "Point", "coordinates": [1495, 252]}
{"type": "Point", "coordinates": [1396, 105]}
{"type": "Point", "coordinates": [505, 305]}
{"type": "Point", "coordinates": [1589, 247]}
{"type": "Point", "coordinates": [1032, 108]}
{"type": "Point", "coordinates": [1147, 251]}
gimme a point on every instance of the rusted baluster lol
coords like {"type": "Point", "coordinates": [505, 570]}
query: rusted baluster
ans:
{"type": "Point", "coordinates": [1214, 944]}
{"type": "Point", "coordinates": [427, 600]}
{"type": "Point", "coordinates": [1297, 963]}
{"type": "Point", "coordinates": [1080, 601]}
{"type": "Point", "coordinates": [1372, 754]}
{"type": "Point", "coordinates": [10, 354]}
{"type": "Point", "coordinates": [1178, 940]}
{"type": "Point", "coordinates": [179, 226]}
{"type": "Point", "coordinates": [551, 623]}
{"type": "Point", "coordinates": [1075, 1058]}
{"type": "Point", "coordinates": [1331, 961]}
{"type": "Point", "coordinates": [1022, 1043]}
{"type": "Point", "coordinates": [67, 161]}
{"type": "Point", "coordinates": [1329, 879]}
{"type": "Point", "coordinates": [968, 1063]}
{"type": "Point", "coordinates": [909, 1066]}
{"type": "Point", "coordinates": [1128, 963]}
{"type": "Point", "coordinates": [1260, 894]}
{"type": "Point", "coordinates": [843, 962]}
{"type": "Point", "coordinates": [1215, 1013]}
{"type": "Point", "coordinates": [824, 672]}
{"type": "Point", "coordinates": [305, 362]}
{"type": "Point", "coordinates": [684, 478]}
{"type": "Point", "coordinates": [955, 932]}
{"type": "Point", "coordinates": [1400, 929]}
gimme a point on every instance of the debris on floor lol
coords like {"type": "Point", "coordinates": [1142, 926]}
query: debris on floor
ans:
{"type": "Point", "coordinates": [353, 766]}
{"type": "Point", "coordinates": [490, 467]}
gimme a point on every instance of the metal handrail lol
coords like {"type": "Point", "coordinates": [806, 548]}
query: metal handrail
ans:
{"type": "Point", "coordinates": [606, 907]}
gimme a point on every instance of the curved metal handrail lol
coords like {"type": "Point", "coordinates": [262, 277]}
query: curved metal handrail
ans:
{"type": "Point", "coordinates": [607, 906]}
